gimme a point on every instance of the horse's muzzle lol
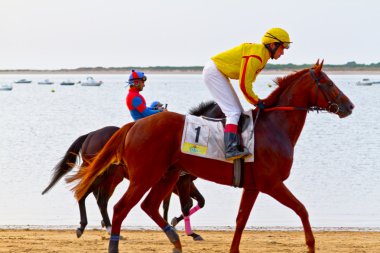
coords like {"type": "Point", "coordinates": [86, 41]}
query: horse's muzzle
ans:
{"type": "Point", "coordinates": [345, 110]}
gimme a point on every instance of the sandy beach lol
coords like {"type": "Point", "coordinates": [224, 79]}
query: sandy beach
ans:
{"type": "Point", "coordinates": [65, 241]}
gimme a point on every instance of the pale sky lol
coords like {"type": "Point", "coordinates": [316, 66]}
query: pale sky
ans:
{"type": "Point", "coordinates": [53, 34]}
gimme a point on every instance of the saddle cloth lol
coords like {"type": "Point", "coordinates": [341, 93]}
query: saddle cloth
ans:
{"type": "Point", "coordinates": [204, 137]}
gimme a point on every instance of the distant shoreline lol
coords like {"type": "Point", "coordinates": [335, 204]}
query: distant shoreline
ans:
{"type": "Point", "coordinates": [180, 72]}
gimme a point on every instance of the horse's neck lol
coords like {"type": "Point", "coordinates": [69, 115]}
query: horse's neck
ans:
{"type": "Point", "coordinates": [289, 122]}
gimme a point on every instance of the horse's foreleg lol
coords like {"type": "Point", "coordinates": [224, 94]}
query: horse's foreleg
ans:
{"type": "Point", "coordinates": [282, 194]}
{"type": "Point", "coordinates": [195, 194]}
{"type": "Point", "coordinates": [246, 203]}
{"type": "Point", "coordinates": [184, 186]}
{"type": "Point", "coordinates": [152, 203]}
{"type": "Point", "coordinates": [133, 195]}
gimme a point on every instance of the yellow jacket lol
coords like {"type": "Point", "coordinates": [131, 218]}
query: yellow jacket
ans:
{"type": "Point", "coordinates": [243, 62]}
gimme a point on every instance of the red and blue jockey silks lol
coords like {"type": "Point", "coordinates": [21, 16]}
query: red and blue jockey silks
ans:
{"type": "Point", "coordinates": [137, 105]}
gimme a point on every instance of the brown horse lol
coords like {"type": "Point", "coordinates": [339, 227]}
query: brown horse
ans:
{"type": "Point", "coordinates": [88, 145]}
{"type": "Point", "coordinates": [277, 129]}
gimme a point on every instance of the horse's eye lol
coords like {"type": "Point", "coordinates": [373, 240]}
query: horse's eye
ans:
{"type": "Point", "coordinates": [331, 84]}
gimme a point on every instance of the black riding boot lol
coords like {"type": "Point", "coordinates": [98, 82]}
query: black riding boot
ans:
{"type": "Point", "coordinates": [232, 143]}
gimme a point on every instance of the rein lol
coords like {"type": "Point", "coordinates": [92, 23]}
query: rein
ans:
{"type": "Point", "coordinates": [311, 108]}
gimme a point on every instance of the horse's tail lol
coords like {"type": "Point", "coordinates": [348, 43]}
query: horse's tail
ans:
{"type": "Point", "coordinates": [110, 153]}
{"type": "Point", "coordinates": [67, 163]}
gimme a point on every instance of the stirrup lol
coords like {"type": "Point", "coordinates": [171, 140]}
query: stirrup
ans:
{"type": "Point", "coordinates": [237, 155]}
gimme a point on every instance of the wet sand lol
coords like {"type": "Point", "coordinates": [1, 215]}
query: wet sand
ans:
{"type": "Point", "coordinates": [65, 241]}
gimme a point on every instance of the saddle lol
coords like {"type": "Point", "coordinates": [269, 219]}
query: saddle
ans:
{"type": "Point", "coordinates": [204, 137]}
{"type": "Point", "coordinates": [244, 121]}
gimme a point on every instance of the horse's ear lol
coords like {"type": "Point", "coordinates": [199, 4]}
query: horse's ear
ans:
{"type": "Point", "coordinates": [318, 68]}
{"type": "Point", "coordinates": [316, 64]}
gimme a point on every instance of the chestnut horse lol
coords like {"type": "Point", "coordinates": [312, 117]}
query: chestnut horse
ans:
{"type": "Point", "coordinates": [88, 145]}
{"type": "Point", "coordinates": [277, 129]}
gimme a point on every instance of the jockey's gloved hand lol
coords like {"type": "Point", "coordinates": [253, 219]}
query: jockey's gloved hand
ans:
{"type": "Point", "coordinates": [260, 104]}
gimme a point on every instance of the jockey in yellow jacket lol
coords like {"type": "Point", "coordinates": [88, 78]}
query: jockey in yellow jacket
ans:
{"type": "Point", "coordinates": [244, 63]}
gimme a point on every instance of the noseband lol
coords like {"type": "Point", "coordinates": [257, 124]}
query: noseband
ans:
{"type": "Point", "coordinates": [332, 106]}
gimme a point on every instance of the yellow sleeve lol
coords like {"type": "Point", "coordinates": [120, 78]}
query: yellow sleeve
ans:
{"type": "Point", "coordinates": [250, 67]}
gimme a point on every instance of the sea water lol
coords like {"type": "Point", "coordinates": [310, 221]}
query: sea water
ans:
{"type": "Point", "coordinates": [335, 174]}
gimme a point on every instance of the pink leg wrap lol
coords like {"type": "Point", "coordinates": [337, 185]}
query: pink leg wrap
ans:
{"type": "Point", "coordinates": [188, 225]}
{"type": "Point", "coordinates": [194, 209]}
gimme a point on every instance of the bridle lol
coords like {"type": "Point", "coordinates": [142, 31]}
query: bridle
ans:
{"type": "Point", "coordinates": [322, 87]}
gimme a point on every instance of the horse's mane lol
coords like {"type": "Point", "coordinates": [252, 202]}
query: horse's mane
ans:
{"type": "Point", "coordinates": [202, 108]}
{"type": "Point", "coordinates": [282, 84]}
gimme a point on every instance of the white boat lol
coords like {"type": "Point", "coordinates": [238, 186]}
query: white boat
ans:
{"type": "Point", "coordinates": [67, 82]}
{"type": "Point", "coordinates": [46, 82]}
{"type": "Point", "coordinates": [90, 81]}
{"type": "Point", "coordinates": [23, 81]}
{"type": "Point", "coordinates": [366, 82]}
{"type": "Point", "coordinates": [6, 87]}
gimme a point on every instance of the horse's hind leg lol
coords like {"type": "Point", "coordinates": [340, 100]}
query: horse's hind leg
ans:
{"type": "Point", "coordinates": [165, 205]}
{"type": "Point", "coordinates": [133, 195]}
{"type": "Point", "coordinates": [109, 181]}
{"type": "Point", "coordinates": [102, 199]}
{"type": "Point", "coordinates": [152, 203]}
{"type": "Point", "coordinates": [83, 215]}
{"type": "Point", "coordinates": [282, 194]}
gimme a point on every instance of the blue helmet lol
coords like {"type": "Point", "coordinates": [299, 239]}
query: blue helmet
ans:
{"type": "Point", "coordinates": [136, 76]}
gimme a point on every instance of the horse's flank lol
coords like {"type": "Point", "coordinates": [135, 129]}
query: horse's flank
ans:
{"type": "Point", "coordinates": [87, 177]}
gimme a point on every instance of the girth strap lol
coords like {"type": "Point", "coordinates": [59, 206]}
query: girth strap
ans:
{"type": "Point", "coordinates": [238, 179]}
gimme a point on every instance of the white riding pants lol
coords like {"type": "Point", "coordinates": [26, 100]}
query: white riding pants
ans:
{"type": "Point", "coordinates": [223, 92]}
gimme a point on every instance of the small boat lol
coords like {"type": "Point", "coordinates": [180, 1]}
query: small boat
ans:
{"type": "Point", "coordinates": [366, 82]}
{"type": "Point", "coordinates": [46, 82]}
{"type": "Point", "coordinates": [67, 82]}
{"type": "Point", "coordinates": [6, 87]}
{"type": "Point", "coordinates": [90, 81]}
{"type": "Point", "coordinates": [23, 81]}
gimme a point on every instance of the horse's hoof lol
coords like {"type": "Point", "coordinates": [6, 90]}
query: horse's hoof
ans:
{"type": "Point", "coordinates": [103, 224]}
{"type": "Point", "coordinates": [174, 222]}
{"type": "Point", "coordinates": [177, 250]}
{"type": "Point", "coordinates": [113, 247]}
{"type": "Point", "coordinates": [79, 233]}
{"type": "Point", "coordinates": [196, 237]}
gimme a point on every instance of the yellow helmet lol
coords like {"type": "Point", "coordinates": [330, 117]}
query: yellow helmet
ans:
{"type": "Point", "coordinates": [276, 35]}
